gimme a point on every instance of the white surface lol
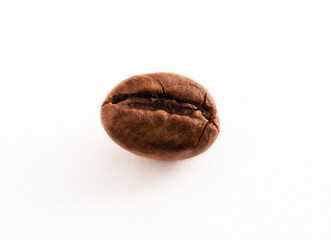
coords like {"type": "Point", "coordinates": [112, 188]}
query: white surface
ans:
{"type": "Point", "coordinates": [266, 63]}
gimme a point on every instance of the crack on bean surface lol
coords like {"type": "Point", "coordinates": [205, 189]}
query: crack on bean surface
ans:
{"type": "Point", "coordinates": [162, 87]}
{"type": "Point", "coordinates": [203, 131]}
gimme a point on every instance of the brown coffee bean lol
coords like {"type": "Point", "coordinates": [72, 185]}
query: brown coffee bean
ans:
{"type": "Point", "coordinates": [161, 116]}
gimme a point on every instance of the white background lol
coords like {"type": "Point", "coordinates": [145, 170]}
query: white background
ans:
{"type": "Point", "coordinates": [267, 65]}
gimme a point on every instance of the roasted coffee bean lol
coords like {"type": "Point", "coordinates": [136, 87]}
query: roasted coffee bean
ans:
{"type": "Point", "coordinates": [161, 116]}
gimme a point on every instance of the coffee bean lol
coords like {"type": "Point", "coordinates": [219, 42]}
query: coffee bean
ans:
{"type": "Point", "coordinates": [161, 116]}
